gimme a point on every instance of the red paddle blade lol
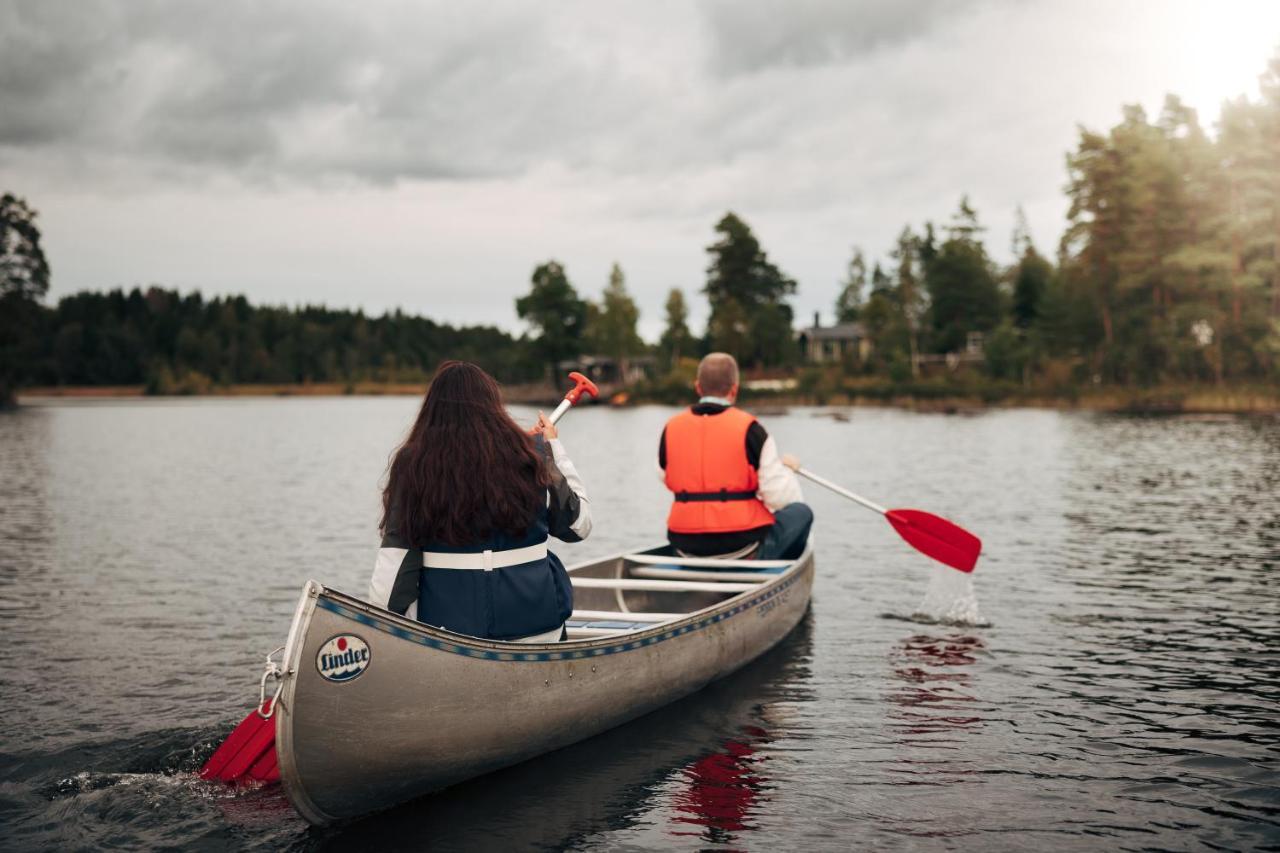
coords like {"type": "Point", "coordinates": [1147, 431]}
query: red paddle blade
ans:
{"type": "Point", "coordinates": [936, 537]}
{"type": "Point", "coordinates": [266, 768]}
{"type": "Point", "coordinates": [248, 752]}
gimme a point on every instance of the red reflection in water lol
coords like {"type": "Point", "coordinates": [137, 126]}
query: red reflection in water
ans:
{"type": "Point", "coordinates": [723, 788]}
{"type": "Point", "coordinates": [936, 701]}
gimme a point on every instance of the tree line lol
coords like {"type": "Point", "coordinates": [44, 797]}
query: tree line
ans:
{"type": "Point", "coordinates": [1168, 271]}
{"type": "Point", "coordinates": [174, 343]}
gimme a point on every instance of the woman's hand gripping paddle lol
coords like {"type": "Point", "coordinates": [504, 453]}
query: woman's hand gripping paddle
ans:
{"type": "Point", "coordinates": [935, 537]}
{"type": "Point", "coordinates": [249, 752]}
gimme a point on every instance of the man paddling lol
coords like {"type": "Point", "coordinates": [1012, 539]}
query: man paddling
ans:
{"type": "Point", "coordinates": [734, 497]}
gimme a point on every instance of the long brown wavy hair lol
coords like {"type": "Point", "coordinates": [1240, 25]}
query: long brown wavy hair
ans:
{"type": "Point", "coordinates": [466, 470]}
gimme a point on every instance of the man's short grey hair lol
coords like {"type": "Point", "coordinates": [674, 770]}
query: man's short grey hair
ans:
{"type": "Point", "coordinates": [717, 374]}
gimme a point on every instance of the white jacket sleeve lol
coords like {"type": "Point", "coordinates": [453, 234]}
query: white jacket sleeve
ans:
{"type": "Point", "coordinates": [778, 483]}
{"type": "Point", "coordinates": [569, 497]}
{"type": "Point", "coordinates": [394, 583]}
{"type": "Point", "coordinates": [385, 569]}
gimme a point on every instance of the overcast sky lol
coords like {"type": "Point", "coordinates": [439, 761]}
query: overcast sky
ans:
{"type": "Point", "coordinates": [429, 155]}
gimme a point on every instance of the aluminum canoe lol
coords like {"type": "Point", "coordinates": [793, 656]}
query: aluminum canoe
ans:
{"type": "Point", "coordinates": [377, 709]}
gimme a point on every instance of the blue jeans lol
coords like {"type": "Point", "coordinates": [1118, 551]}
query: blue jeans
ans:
{"type": "Point", "coordinates": [790, 531]}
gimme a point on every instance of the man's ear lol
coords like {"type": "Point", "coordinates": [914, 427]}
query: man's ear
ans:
{"type": "Point", "coordinates": [697, 388]}
{"type": "Point", "coordinates": [733, 393]}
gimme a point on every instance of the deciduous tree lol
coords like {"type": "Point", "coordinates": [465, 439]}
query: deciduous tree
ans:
{"type": "Point", "coordinates": [555, 312]}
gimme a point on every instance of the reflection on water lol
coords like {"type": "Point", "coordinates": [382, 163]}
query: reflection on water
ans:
{"type": "Point", "coordinates": [934, 707]}
{"type": "Point", "coordinates": [1123, 696]}
{"type": "Point", "coordinates": [938, 687]}
{"type": "Point", "coordinates": [722, 788]}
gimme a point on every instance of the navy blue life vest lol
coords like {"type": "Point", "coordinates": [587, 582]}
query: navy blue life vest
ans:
{"type": "Point", "coordinates": [504, 603]}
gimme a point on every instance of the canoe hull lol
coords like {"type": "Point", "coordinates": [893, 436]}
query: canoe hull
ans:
{"type": "Point", "coordinates": [431, 708]}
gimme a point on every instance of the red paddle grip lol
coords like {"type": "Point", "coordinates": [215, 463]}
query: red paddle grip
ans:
{"type": "Point", "coordinates": [581, 384]}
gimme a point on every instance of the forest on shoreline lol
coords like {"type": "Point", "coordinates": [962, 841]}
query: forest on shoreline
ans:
{"type": "Point", "coordinates": [1168, 276]}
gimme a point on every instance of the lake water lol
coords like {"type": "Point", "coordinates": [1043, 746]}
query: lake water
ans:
{"type": "Point", "coordinates": [1124, 696]}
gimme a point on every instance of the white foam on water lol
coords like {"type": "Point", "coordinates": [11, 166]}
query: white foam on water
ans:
{"type": "Point", "coordinates": [950, 599]}
{"type": "Point", "coordinates": [158, 786]}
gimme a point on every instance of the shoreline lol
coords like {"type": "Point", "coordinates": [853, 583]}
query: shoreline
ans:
{"type": "Point", "coordinates": [1171, 400]}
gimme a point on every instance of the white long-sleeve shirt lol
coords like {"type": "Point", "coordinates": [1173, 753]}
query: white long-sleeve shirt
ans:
{"type": "Point", "coordinates": [779, 485]}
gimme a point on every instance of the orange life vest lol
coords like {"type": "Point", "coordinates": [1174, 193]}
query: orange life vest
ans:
{"type": "Point", "coordinates": [707, 468]}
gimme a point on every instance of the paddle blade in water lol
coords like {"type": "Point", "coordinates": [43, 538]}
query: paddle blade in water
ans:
{"type": "Point", "coordinates": [266, 768]}
{"type": "Point", "coordinates": [936, 537]}
{"type": "Point", "coordinates": [249, 751]}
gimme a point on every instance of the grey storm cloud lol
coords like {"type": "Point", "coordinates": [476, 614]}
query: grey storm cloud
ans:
{"type": "Point", "coordinates": [378, 92]}
{"type": "Point", "coordinates": [755, 36]}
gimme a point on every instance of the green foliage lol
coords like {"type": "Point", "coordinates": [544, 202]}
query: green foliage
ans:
{"type": "Point", "coordinates": [24, 280]}
{"type": "Point", "coordinates": [1007, 353]}
{"type": "Point", "coordinates": [553, 309]}
{"type": "Point", "coordinates": [747, 295]}
{"type": "Point", "coordinates": [819, 384]}
{"type": "Point", "coordinates": [910, 300]}
{"type": "Point", "coordinates": [1031, 279]}
{"type": "Point", "coordinates": [611, 326]}
{"type": "Point", "coordinates": [886, 324]}
{"type": "Point", "coordinates": [171, 343]}
{"type": "Point", "coordinates": [1172, 242]}
{"type": "Point", "coordinates": [849, 301]}
{"type": "Point", "coordinates": [676, 342]}
{"type": "Point", "coordinates": [964, 294]}
{"type": "Point", "coordinates": [23, 268]}
{"type": "Point", "coordinates": [674, 388]}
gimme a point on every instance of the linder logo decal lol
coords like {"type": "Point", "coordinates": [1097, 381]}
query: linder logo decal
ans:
{"type": "Point", "coordinates": [343, 658]}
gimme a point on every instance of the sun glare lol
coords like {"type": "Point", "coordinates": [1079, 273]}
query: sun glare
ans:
{"type": "Point", "coordinates": [1223, 48]}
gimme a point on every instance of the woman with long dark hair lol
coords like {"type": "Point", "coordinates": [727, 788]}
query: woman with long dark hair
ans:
{"type": "Point", "coordinates": [469, 503]}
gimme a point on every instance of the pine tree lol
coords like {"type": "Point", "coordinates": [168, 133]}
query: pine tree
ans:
{"type": "Point", "coordinates": [964, 294]}
{"type": "Point", "coordinates": [747, 295]}
{"type": "Point", "coordinates": [851, 293]}
{"type": "Point", "coordinates": [611, 327]}
{"type": "Point", "coordinates": [24, 280]}
{"type": "Point", "coordinates": [1031, 273]}
{"type": "Point", "coordinates": [23, 268]}
{"type": "Point", "coordinates": [676, 342]}
{"type": "Point", "coordinates": [910, 295]}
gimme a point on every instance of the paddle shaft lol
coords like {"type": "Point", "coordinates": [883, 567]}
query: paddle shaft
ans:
{"type": "Point", "coordinates": [564, 406]}
{"type": "Point", "coordinates": [840, 490]}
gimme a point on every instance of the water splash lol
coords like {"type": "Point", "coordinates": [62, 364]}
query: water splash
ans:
{"type": "Point", "coordinates": [950, 599]}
